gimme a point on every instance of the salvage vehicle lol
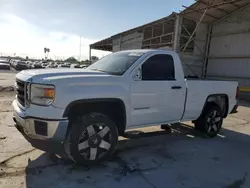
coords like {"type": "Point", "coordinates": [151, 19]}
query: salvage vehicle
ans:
{"type": "Point", "coordinates": [37, 65]}
{"type": "Point", "coordinates": [4, 65]}
{"type": "Point", "coordinates": [21, 65]}
{"type": "Point", "coordinates": [80, 113]}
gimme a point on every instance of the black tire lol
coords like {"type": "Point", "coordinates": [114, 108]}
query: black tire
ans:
{"type": "Point", "coordinates": [91, 138]}
{"type": "Point", "coordinates": [210, 122]}
{"type": "Point", "coordinates": [166, 127]}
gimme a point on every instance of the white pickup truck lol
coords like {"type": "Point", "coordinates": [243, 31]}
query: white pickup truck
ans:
{"type": "Point", "coordinates": [81, 113]}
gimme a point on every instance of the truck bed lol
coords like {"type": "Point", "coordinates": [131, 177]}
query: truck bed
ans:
{"type": "Point", "coordinates": [199, 90]}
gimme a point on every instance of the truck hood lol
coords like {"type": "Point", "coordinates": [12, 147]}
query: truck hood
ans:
{"type": "Point", "coordinates": [52, 74]}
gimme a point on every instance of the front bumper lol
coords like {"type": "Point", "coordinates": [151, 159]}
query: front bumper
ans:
{"type": "Point", "coordinates": [44, 134]}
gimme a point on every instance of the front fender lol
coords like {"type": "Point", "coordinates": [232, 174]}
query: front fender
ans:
{"type": "Point", "coordinates": [68, 94]}
{"type": "Point", "coordinates": [65, 96]}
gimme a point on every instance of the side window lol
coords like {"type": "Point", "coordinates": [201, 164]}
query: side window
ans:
{"type": "Point", "coordinates": [158, 67]}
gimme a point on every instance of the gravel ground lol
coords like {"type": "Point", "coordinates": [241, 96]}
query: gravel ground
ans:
{"type": "Point", "coordinates": [7, 80]}
{"type": "Point", "coordinates": [148, 157]}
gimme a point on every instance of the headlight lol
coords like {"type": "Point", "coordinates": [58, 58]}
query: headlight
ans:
{"type": "Point", "coordinates": [42, 94]}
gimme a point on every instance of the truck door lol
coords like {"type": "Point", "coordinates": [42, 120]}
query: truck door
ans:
{"type": "Point", "coordinates": [157, 97]}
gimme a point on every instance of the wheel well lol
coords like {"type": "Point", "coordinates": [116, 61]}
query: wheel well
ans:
{"type": "Point", "coordinates": [113, 108]}
{"type": "Point", "coordinates": [220, 100]}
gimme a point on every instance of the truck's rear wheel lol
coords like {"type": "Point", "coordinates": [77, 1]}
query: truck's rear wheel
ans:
{"type": "Point", "coordinates": [91, 138]}
{"type": "Point", "coordinates": [210, 122]}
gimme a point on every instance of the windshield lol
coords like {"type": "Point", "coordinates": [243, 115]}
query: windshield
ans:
{"type": "Point", "coordinates": [116, 63]}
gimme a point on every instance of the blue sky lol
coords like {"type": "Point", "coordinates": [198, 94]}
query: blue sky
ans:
{"type": "Point", "coordinates": [28, 25]}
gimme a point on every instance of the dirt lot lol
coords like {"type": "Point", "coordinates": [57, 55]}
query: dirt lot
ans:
{"type": "Point", "coordinates": [147, 158]}
{"type": "Point", "coordinates": [7, 78]}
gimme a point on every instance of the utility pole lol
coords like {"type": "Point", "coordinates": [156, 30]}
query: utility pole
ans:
{"type": "Point", "coordinates": [80, 49]}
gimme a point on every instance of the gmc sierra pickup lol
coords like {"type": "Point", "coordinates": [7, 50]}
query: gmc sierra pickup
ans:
{"type": "Point", "coordinates": [81, 113]}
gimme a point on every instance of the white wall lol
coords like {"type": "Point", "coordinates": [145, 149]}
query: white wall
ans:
{"type": "Point", "coordinates": [129, 41]}
{"type": "Point", "coordinates": [200, 40]}
{"type": "Point", "coordinates": [230, 53]}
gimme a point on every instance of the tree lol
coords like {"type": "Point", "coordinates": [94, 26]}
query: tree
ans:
{"type": "Point", "coordinates": [71, 60]}
{"type": "Point", "coordinates": [85, 62]}
{"type": "Point", "coordinates": [94, 58]}
{"type": "Point", "coordinates": [46, 50]}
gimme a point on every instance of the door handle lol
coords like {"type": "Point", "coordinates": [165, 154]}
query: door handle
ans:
{"type": "Point", "coordinates": [176, 87]}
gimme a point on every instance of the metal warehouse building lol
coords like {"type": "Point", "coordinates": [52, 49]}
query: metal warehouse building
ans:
{"type": "Point", "coordinates": [211, 36]}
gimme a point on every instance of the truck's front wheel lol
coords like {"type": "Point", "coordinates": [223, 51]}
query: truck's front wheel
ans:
{"type": "Point", "coordinates": [91, 138]}
{"type": "Point", "coordinates": [210, 122]}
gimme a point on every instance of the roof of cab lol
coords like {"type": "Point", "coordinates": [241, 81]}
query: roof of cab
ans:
{"type": "Point", "coordinates": [143, 50]}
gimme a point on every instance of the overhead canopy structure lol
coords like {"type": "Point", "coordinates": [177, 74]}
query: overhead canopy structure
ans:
{"type": "Point", "coordinates": [105, 45]}
{"type": "Point", "coordinates": [162, 25]}
{"type": "Point", "coordinates": [210, 36]}
{"type": "Point", "coordinates": [214, 10]}
{"type": "Point", "coordinates": [160, 33]}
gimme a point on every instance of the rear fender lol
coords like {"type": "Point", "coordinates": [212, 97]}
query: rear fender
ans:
{"type": "Point", "coordinates": [219, 99]}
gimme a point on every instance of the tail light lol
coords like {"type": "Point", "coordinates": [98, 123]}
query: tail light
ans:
{"type": "Point", "coordinates": [237, 93]}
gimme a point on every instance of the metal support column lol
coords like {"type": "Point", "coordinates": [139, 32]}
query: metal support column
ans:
{"type": "Point", "coordinates": [177, 33]}
{"type": "Point", "coordinates": [80, 49]}
{"type": "Point", "coordinates": [120, 43]}
{"type": "Point", "coordinates": [208, 41]}
{"type": "Point", "coordinates": [90, 54]}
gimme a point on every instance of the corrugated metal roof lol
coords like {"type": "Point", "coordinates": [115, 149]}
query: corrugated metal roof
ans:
{"type": "Point", "coordinates": [108, 41]}
{"type": "Point", "coordinates": [215, 10]}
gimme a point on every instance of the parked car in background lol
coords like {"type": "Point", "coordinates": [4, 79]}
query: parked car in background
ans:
{"type": "Point", "coordinates": [74, 65]}
{"type": "Point", "coordinates": [21, 65]}
{"type": "Point", "coordinates": [12, 63]}
{"type": "Point", "coordinates": [51, 65]}
{"type": "Point", "coordinates": [80, 66]}
{"type": "Point", "coordinates": [65, 65]}
{"type": "Point", "coordinates": [31, 65]}
{"type": "Point", "coordinates": [28, 63]}
{"type": "Point", "coordinates": [58, 63]}
{"type": "Point", "coordinates": [37, 65]}
{"type": "Point", "coordinates": [77, 66]}
{"type": "Point", "coordinates": [84, 66]}
{"type": "Point", "coordinates": [44, 65]}
{"type": "Point", "coordinates": [4, 65]}
{"type": "Point", "coordinates": [4, 61]}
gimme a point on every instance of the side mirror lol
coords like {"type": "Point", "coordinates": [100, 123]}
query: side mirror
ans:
{"type": "Point", "coordinates": [137, 75]}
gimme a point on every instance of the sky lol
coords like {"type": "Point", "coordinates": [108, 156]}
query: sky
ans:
{"type": "Point", "coordinates": [27, 26]}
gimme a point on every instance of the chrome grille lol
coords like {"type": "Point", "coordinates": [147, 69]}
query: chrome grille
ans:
{"type": "Point", "coordinates": [21, 91]}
